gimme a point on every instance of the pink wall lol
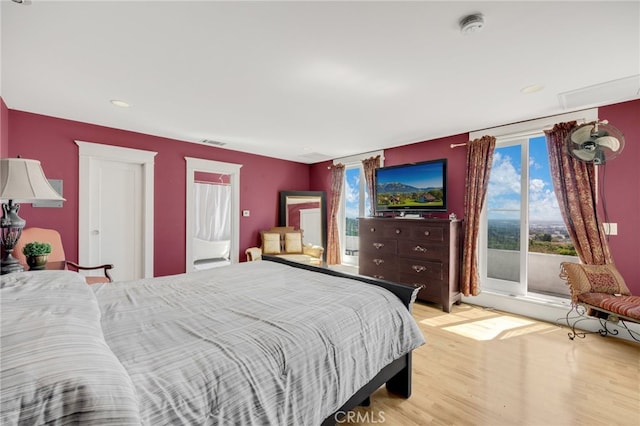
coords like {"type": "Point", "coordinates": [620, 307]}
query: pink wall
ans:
{"type": "Point", "coordinates": [622, 182]}
{"type": "Point", "coordinates": [51, 140]}
{"type": "Point", "coordinates": [4, 129]}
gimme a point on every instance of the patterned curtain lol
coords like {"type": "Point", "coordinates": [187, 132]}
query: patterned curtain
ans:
{"type": "Point", "coordinates": [574, 183]}
{"type": "Point", "coordinates": [479, 160]}
{"type": "Point", "coordinates": [333, 237]}
{"type": "Point", "coordinates": [369, 165]}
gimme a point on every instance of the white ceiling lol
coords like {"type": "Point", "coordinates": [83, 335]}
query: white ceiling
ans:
{"type": "Point", "coordinates": [310, 81]}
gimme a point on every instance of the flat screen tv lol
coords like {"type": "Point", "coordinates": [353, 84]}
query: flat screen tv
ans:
{"type": "Point", "coordinates": [415, 187]}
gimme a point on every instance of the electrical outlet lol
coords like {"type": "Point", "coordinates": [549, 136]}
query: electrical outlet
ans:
{"type": "Point", "coordinates": [246, 213]}
{"type": "Point", "coordinates": [610, 228]}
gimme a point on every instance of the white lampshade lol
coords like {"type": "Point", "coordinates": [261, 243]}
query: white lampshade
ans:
{"type": "Point", "coordinates": [23, 180]}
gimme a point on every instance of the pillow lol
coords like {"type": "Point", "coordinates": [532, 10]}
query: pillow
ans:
{"type": "Point", "coordinates": [312, 250]}
{"type": "Point", "coordinates": [293, 242]}
{"type": "Point", "coordinates": [270, 243]}
{"type": "Point", "coordinates": [593, 279]}
{"type": "Point", "coordinates": [56, 366]}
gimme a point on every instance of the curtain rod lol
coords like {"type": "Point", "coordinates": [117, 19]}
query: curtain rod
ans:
{"type": "Point", "coordinates": [455, 145]}
{"type": "Point", "coordinates": [211, 182]}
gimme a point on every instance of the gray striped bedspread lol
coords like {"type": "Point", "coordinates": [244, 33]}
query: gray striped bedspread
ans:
{"type": "Point", "coordinates": [256, 343]}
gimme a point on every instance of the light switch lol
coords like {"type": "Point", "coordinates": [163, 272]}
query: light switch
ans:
{"type": "Point", "coordinates": [246, 213]}
{"type": "Point", "coordinates": [610, 228]}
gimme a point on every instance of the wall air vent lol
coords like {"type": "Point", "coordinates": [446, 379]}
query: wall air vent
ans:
{"type": "Point", "coordinates": [212, 142]}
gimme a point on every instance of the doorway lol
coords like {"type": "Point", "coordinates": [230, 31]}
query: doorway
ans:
{"type": "Point", "coordinates": [111, 177]}
{"type": "Point", "coordinates": [214, 241]}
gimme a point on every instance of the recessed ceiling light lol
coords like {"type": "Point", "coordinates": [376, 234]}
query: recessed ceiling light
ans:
{"type": "Point", "coordinates": [532, 89]}
{"type": "Point", "coordinates": [119, 103]}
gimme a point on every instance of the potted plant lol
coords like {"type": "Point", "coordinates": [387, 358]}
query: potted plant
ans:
{"type": "Point", "coordinates": [36, 254]}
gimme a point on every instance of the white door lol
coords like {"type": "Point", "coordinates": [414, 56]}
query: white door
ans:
{"type": "Point", "coordinates": [116, 210]}
{"type": "Point", "coordinates": [309, 220]}
{"type": "Point", "coordinates": [115, 219]}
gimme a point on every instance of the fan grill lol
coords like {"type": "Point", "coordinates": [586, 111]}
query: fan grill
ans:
{"type": "Point", "coordinates": [596, 142]}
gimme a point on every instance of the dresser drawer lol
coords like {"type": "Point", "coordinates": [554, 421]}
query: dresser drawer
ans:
{"type": "Point", "coordinates": [417, 271]}
{"type": "Point", "coordinates": [371, 228]}
{"type": "Point", "coordinates": [422, 250]}
{"type": "Point", "coordinates": [432, 292]}
{"type": "Point", "coordinates": [429, 232]}
{"type": "Point", "coordinates": [378, 246]}
{"type": "Point", "coordinates": [377, 268]}
{"type": "Point", "coordinates": [397, 229]}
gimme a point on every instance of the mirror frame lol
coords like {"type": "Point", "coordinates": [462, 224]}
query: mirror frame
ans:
{"type": "Point", "coordinates": [284, 195]}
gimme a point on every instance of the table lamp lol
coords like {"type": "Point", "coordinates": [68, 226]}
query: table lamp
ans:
{"type": "Point", "coordinates": [20, 180]}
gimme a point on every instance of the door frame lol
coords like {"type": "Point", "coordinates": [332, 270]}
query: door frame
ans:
{"type": "Point", "coordinates": [210, 166]}
{"type": "Point", "coordinates": [89, 153]}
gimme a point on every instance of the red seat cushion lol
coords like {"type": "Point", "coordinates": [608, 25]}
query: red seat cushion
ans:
{"type": "Point", "coordinates": [629, 306]}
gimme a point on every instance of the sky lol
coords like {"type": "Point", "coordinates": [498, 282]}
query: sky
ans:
{"type": "Point", "coordinates": [352, 192]}
{"type": "Point", "coordinates": [504, 184]}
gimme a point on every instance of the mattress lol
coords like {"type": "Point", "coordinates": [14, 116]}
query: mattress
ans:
{"type": "Point", "coordinates": [253, 343]}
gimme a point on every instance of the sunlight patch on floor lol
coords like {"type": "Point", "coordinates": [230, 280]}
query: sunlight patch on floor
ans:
{"type": "Point", "coordinates": [457, 317]}
{"type": "Point", "coordinates": [501, 327]}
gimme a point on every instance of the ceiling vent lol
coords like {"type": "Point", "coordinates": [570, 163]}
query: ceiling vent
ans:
{"type": "Point", "coordinates": [620, 90]}
{"type": "Point", "coordinates": [472, 24]}
{"type": "Point", "coordinates": [212, 142]}
{"type": "Point", "coordinates": [314, 157]}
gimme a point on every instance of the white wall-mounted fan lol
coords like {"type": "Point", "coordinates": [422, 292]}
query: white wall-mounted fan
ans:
{"type": "Point", "coordinates": [596, 142]}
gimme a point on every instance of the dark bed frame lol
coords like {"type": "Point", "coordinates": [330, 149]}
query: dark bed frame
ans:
{"type": "Point", "coordinates": [397, 374]}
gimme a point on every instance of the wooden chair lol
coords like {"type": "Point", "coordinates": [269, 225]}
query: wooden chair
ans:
{"type": "Point", "coordinates": [52, 237]}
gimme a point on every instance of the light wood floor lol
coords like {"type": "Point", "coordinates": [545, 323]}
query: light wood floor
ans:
{"type": "Point", "coordinates": [483, 367]}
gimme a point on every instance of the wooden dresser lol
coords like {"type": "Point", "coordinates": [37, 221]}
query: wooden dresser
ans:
{"type": "Point", "coordinates": [414, 251]}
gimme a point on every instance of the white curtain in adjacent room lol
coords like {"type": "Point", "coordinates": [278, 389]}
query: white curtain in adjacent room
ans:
{"type": "Point", "coordinates": [213, 211]}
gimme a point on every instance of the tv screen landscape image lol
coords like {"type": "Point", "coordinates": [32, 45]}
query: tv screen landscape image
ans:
{"type": "Point", "coordinates": [417, 186]}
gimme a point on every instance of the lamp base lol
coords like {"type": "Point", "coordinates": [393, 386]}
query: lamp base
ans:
{"type": "Point", "coordinates": [10, 264]}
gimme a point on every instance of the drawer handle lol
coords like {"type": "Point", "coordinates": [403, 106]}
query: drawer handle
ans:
{"type": "Point", "coordinates": [372, 229]}
{"type": "Point", "coordinates": [398, 231]}
{"type": "Point", "coordinates": [419, 249]}
{"type": "Point", "coordinates": [378, 245]}
{"type": "Point", "coordinates": [419, 268]}
{"type": "Point", "coordinates": [378, 261]}
{"type": "Point", "coordinates": [427, 233]}
{"type": "Point", "coordinates": [380, 277]}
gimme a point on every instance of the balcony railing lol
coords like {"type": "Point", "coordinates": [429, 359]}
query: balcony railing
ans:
{"type": "Point", "coordinates": [543, 272]}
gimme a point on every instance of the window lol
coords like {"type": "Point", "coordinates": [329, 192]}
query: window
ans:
{"type": "Point", "coordinates": [526, 237]}
{"type": "Point", "coordinates": [523, 238]}
{"type": "Point", "coordinates": [355, 204]}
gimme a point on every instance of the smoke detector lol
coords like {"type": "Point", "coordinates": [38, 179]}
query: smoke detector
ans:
{"type": "Point", "coordinates": [471, 24]}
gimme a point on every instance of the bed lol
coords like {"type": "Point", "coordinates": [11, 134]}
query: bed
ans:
{"type": "Point", "coordinates": [255, 343]}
